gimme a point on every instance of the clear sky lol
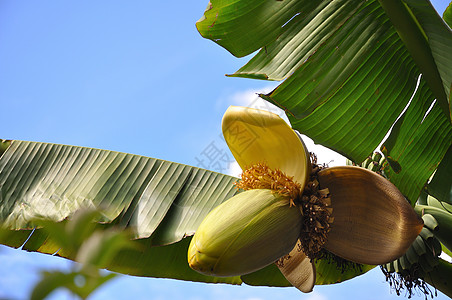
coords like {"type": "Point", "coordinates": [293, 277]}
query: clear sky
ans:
{"type": "Point", "coordinates": [136, 77]}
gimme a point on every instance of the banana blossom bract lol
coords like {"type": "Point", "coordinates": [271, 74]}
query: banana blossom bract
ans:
{"type": "Point", "coordinates": [373, 222]}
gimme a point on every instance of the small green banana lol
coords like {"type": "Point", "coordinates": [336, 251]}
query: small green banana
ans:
{"type": "Point", "coordinates": [430, 222]}
{"type": "Point", "coordinates": [443, 232]}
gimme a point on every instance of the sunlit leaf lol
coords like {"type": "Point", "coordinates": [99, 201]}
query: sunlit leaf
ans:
{"type": "Point", "coordinates": [447, 15]}
{"type": "Point", "coordinates": [158, 201]}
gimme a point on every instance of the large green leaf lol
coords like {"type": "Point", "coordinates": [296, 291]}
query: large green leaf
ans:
{"type": "Point", "coordinates": [417, 144]}
{"type": "Point", "coordinates": [161, 203]}
{"type": "Point", "coordinates": [350, 68]}
{"type": "Point", "coordinates": [440, 186]}
{"type": "Point", "coordinates": [427, 38]}
{"type": "Point", "coordinates": [439, 38]}
{"type": "Point", "coordinates": [237, 25]}
{"type": "Point", "coordinates": [53, 181]}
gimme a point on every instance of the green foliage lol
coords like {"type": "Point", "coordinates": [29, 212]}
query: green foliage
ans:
{"type": "Point", "coordinates": [79, 283]}
{"type": "Point", "coordinates": [160, 202]}
{"type": "Point", "coordinates": [193, 192]}
{"type": "Point", "coordinates": [417, 144]}
{"type": "Point", "coordinates": [440, 186]}
{"type": "Point", "coordinates": [443, 231]}
{"type": "Point", "coordinates": [418, 25]}
{"type": "Point", "coordinates": [91, 247]}
{"type": "Point", "coordinates": [447, 15]}
{"type": "Point", "coordinates": [348, 70]}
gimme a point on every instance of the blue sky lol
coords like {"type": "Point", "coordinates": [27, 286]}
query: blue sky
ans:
{"type": "Point", "coordinates": [136, 77]}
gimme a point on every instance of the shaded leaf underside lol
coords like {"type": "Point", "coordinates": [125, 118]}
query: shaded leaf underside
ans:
{"type": "Point", "coordinates": [417, 144]}
{"type": "Point", "coordinates": [440, 186]}
{"type": "Point", "coordinates": [348, 89]}
{"type": "Point", "coordinates": [439, 39]}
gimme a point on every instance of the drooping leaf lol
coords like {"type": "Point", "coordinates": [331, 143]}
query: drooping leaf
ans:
{"type": "Point", "coordinates": [69, 236]}
{"type": "Point", "coordinates": [417, 144]}
{"type": "Point", "coordinates": [349, 70]}
{"type": "Point", "coordinates": [168, 261]}
{"type": "Point", "coordinates": [302, 34]}
{"type": "Point", "coordinates": [439, 38]}
{"type": "Point", "coordinates": [158, 201]}
{"type": "Point", "coordinates": [269, 276]}
{"type": "Point", "coordinates": [163, 253]}
{"type": "Point", "coordinates": [445, 250]}
{"type": "Point", "coordinates": [427, 39]}
{"type": "Point", "coordinates": [353, 86]}
{"type": "Point", "coordinates": [348, 74]}
{"type": "Point", "coordinates": [440, 186]}
{"type": "Point", "coordinates": [54, 181]}
{"type": "Point", "coordinates": [60, 237]}
{"type": "Point", "coordinates": [237, 25]}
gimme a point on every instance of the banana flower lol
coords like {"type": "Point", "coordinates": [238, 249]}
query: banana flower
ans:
{"type": "Point", "coordinates": [357, 214]}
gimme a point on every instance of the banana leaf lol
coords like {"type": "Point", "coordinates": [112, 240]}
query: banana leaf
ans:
{"type": "Point", "coordinates": [160, 203]}
{"type": "Point", "coordinates": [440, 186]}
{"type": "Point", "coordinates": [349, 69]}
{"type": "Point", "coordinates": [417, 144]}
{"type": "Point", "coordinates": [447, 15]}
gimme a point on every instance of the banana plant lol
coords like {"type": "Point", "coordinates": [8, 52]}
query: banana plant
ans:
{"type": "Point", "coordinates": [351, 71]}
{"type": "Point", "coordinates": [355, 216]}
{"type": "Point", "coordinates": [344, 65]}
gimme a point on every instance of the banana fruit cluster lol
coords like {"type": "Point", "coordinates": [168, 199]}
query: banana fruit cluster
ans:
{"type": "Point", "coordinates": [374, 162]}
